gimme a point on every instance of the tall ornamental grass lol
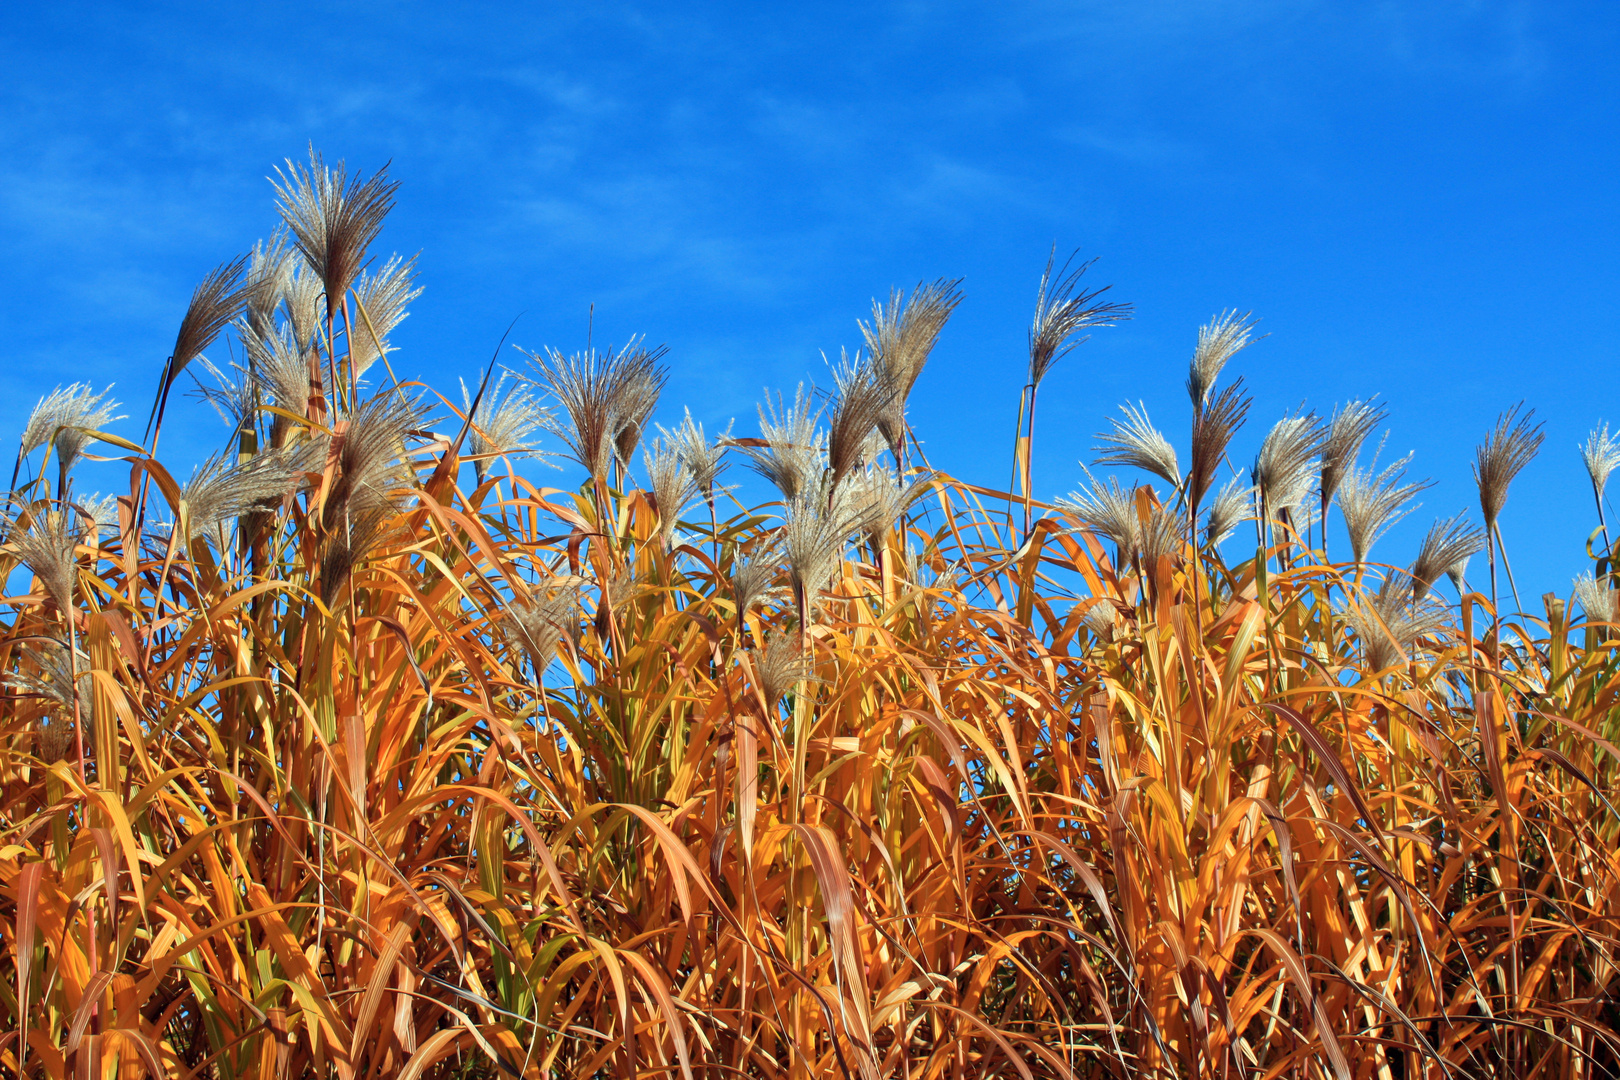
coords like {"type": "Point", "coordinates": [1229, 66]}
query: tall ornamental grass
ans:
{"type": "Point", "coordinates": [357, 753]}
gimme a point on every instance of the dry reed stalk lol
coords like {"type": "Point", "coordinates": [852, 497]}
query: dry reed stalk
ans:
{"type": "Point", "coordinates": [1135, 442]}
{"type": "Point", "coordinates": [1285, 470]}
{"type": "Point", "coordinates": [793, 454]}
{"type": "Point", "coordinates": [64, 420]}
{"type": "Point", "coordinates": [1220, 339]}
{"type": "Point", "coordinates": [1497, 461]}
{"type": "Point", "coordinates": [899, 339]}
{"type": "Point", "coordinates": [1447, 544]}
{"type": "Point", "coordinates": [705, 459]}
{"type": "Point", "coordinates": [503, 422]}
{"type": "Point", "coordinates": [1347, 430]}
{"type": "Point", "coordinates": [1373, 502]}
{"type": "Point", "coordinates": [1601, 456]}
{"type": "Point", "coordinates": [1063, 309]}
{"type": "Point", "coordinates": [333, 220]}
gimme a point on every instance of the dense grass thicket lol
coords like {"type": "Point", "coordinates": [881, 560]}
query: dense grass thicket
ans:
{"type": "Point", "coordinates": [359, 754]}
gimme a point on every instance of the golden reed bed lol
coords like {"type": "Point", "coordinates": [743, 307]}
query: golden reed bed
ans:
{"type": "Point", "coordinates": [360, 755]}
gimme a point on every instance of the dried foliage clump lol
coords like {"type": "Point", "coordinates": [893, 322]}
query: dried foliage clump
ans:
{"type": "Point", "coordinates": [346, 759]}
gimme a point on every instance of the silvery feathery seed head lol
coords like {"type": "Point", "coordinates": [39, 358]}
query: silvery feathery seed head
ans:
{"type": "Point", "coordinates": [673, 486]}
{"type": "Point", "coordinates": [1600, 602]}
{"type": "Point", "coordinates": [881, 498]}
{"type": "Point", "coordinates": [1456, 573]}
{"type": "Point", "coordinates": [1230, 508]}
{"type": "Point", "coordinates": [604, 399]}
{"type": "Point", "coordinates": [863, 393]}
{"type": "Point", "coordinates": [706, 459]}
{"type": "Point", "coordinates": [1284, 472]}
{"type": "Point", "coordinates": [1102, 619]}
{"type": "Point", "coordinates": [622, 585]}
{"type": "Point", "coordinates": [794, 455]}
{"type": "Point", "coordinates": [1389, 624]}
{"type": "Point", "coordinates": [1212, 431]}
{"type": "Point", "coordinates": [1160, 532]}
{"type": "Point", "coordinates": [265, 283]}
{"type": "Point", "coordinates": [332, 218]}
{"type": "Point", "coordinates": [53, 737]}
{"type": "Point", "coordinates": [55, 682]}
{"type": "Point", "coordinates": [220, 490]}
{"type": "Point", "coordinates": [381, 304]}
{"type": "Point", "coordinates": [820, 519]}
{"type": "Point", "coordinates": [870, 451]}
{"type": "Point", "coordinates": [1373, 502]}
{"type": "Point", "coordinates": [371, 467]}
{"type": "Point", "coordinates": [1346, 432]}
{"type": "Point", "coordinates": [1506, 450]}
{"type": "Point", "coordinates": [1447, 544]}
{"type": "Point", "coordinates": [99, 512]}
{"type": "Point", "coordinates": [505, 418]}
{"type": "Point", "coordinates": [639, 381]}
{"type": "Point", "coordinates": [781, 665]}
{"type": "Point", "coordinates": [539, 626]}
{"type": "Point", "coordinates": [364, 526]}
{"type": "Point", "coordinates": [49, 547]}
{"type": "Point", "coordinates": [279, 370]}
{"type": "Point", "coordinates": [1062, 310]}
{"type": "Point", "coordinates": [234, 394]}
{"type": "Point", "coordinates": [1109, 511]}
{"type": "Point", "coordinates": [1134, 441]}
{"type": "Point", "coordinates": [1220, 339]}
{"type": "Point", "coordinates": [900, 339]}
{"type": "Point", "coordinates": [215, 303]}
{"type": "Point", "coordinates": [371, 458]}
{"type": "Point", "coordinates": [64, 418]}
{"type": "Point", "coordinates": [304, 300]}
{"type": "Point", "coordinates": [755, 579]}
{"type": "Point", "coordinates": [918, 567]}
{"type": "Point", "coordinates": [1601, 453]}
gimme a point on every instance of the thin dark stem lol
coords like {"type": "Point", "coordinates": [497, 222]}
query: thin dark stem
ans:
{"type": "Point", "coordinates": [1260, 530]}
{"type": "Point", "coordinates": [1597, 496]}
{"type": "Point", "coordinates": [151, 450]}
{"type": "Point", "coordinates": [1325, 501]}
{"type": "Point", "coordinates": [331, 355]}
{"type": "Point", "coordinates": [714, 527]}
{"type": "Point", "coordinates": [1517, 603]}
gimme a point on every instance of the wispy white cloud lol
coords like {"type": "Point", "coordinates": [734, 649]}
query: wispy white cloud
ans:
{"type": "Point", "coordinates": [577, 97]}
{"type": "Point", "coordinates": [1469, 39]}
{"type": "Point", "coordinates": [946, 190]}
{"type": "Point", "coordinates": [1140, 147]}
{"type": "Point", "coordinates": [667, 226]}
{"type": "Point", "coordinates": [811, 131]}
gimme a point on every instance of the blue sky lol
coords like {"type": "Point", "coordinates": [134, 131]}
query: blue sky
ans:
{"type": "Point", "coordinates": [1416, 199]}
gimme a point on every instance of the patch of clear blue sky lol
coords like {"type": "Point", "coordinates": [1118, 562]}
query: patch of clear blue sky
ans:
{"type": "Point", "coordinates": [1417, 199]}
